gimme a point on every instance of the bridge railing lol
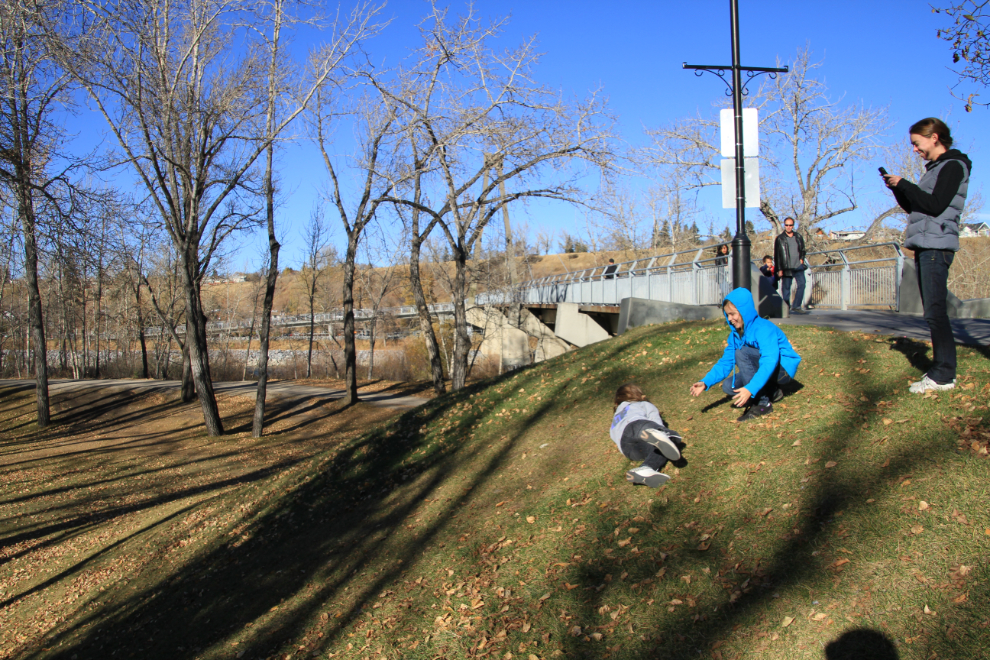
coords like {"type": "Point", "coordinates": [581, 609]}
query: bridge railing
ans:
{"type": "Point", "coordinates": [835, 280]}
{"type": "Point", "coordinates": [683, 277]}
{"type": "Point", "coordinates": [336, 316]}
{"type": "Point", "coordinates": [856, 276]}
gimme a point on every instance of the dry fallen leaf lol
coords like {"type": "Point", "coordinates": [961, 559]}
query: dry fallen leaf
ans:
{"type": "Point", "coordinates": [922, 505]}
{"type": "Point", "coordinates": [831, 464]}
{"type": "Point", "coordinates": [575, 631]}
{"type": "Point", "coordinates": [531, 519]}
{"type": "Point", "coordinates": [820, 616]}
{"type": "Point", "coordinates": [928, 611]}
{"type": "Point", "coordinates": [917, 529]}
{"type": "Point", "coordinates": [788, 620]}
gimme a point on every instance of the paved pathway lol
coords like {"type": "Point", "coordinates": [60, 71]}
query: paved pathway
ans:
{"type": "Point", "coordinates": [282, 390]}
{"type": "Point", "coordinates": [969, 332]}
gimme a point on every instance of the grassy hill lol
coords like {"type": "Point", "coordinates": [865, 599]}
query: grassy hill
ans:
{"type": "Point", "coordinates": [495, 522]}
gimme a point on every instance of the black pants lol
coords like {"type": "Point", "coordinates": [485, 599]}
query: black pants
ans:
{"type": "Point", "coordinates": [932, 267]}
{"type": "Point", "coordinates": [635, 448]}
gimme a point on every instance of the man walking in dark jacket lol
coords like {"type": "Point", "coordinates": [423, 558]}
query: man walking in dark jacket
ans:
{"type": "Point", "coordinates": [788, 259]}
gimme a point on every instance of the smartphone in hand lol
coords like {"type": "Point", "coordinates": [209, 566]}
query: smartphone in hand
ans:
{"type": "Point", "coordinates": [883, 172]}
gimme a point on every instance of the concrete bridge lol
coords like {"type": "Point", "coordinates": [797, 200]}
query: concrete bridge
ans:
{"type": "Point", "coordinates": [590, 305]}
{"type": "Point", "coordinates": [582, 307]}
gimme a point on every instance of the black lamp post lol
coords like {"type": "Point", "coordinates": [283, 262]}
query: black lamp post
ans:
{"type": "Point", "coordinates": [740, 243]}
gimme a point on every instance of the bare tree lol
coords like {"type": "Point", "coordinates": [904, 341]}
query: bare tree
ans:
{"type": "Point", "coordinates": [811, 148]}
{"type": "Point", "coordinates": [968, 39]}
{"type": "Point", "coordinates": [378, 280]}
{"type": "Point", "coordinates": [376, 124]}
{"type": "Point", "coordinates": [32, 90]}
{"type": "Point", "coordinates": [192, 117]}
{"type": "Point", "coordinates": [316, 237]}
{"type": "Point", "coordinates": [488, 120]}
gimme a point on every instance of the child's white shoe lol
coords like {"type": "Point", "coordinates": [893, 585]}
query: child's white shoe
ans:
{"type": "Point", "coordinates": [646, 476]}
{"type": "Point", "coordinates": [663, 443]}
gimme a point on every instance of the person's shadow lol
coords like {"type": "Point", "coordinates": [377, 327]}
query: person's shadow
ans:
{"type": "Point", "coordinates": [861, 644]}
{"type": "Point", "coordinates": [915, 351]}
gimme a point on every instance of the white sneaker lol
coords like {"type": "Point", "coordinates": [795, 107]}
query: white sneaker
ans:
{"type": "Point", "coordinates": [663, 443]}
{"type": "Point", "coordinates": [646, 476]}
{"type": "Point", "coordinates": [926, 384]}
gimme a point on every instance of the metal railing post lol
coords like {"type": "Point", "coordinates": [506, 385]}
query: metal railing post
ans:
{"type": "Point", "coordinates": [670, 278]}
{"type": "Point", "coordinates": [846, 293]}
{"type": "Point", "coordinates": [695, 268]}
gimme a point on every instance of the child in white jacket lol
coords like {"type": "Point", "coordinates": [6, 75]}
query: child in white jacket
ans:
{"type": "Point", "coordinates": [640, 434]}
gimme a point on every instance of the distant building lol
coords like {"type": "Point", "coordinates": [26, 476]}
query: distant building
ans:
{"type": "Point", "coordinates": [971, 229]}
{"type": "Point", "coordinates": [239, 278]}
{"type": "Point", "coordinates": [854, 235]}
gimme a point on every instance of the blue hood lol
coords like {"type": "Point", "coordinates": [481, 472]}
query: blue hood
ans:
{"type": "Point", "coordinates": [742, 299]}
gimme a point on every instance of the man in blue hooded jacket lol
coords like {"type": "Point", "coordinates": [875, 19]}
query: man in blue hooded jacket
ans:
{"type": "Point", "coordinates": [757, 359]}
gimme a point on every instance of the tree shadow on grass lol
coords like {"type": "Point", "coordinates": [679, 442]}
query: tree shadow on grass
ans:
{"type": "Point", "coordinates": [683, 630]}
{"type": "Point", "coordinates": [308, 548]}
{"type": "Point", "coordinates": [302, 551]}
{"type": "Point", "coordinates": [332, 525]}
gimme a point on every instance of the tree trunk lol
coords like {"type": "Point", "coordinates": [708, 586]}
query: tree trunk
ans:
{"type": "Point", "coordinates": [196, 343]}
{"type": "Point", "coordinates": [187, 391]}
{"type": "Point", "coordinates": [36, 322]}
{"type": "Point", "coordinates": [422, 310]}
{"type": "Point", "coordinates": [462, 342]}
{"type": "Point", "coordinates": [141, 338]}
{"type": "Point", "coordinates": [258, 423]}
{"type": "Point", "coordinates": [264, 334]}
{"type": "Point", "coordinates": [347, 295]}
{"type": "Point", "coordinates": [96, 317]}
{"type": "Point", "coordinates": [309, 352]}
{"type": "Point", "coordinates": [371, 336]}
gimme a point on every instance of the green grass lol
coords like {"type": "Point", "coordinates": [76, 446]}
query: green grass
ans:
{"type": "Point", "coordinates": [496, 522]}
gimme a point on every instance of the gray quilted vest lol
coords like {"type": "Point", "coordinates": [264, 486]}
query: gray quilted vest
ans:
{"type": "Point", "coordinates": [941, 233]}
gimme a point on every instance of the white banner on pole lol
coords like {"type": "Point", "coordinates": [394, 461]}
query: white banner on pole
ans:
{"type": "Point", "coordinates": [751, 182]}
{"type": "Point", "coordinates": [751, 135]}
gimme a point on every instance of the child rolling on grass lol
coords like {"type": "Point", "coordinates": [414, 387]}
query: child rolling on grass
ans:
{"type": "Point", "coordinates": [640, 434]}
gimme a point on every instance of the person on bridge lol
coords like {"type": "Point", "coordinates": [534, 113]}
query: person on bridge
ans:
{"type": "Point", "coordinates": [769, 272]}
{"type": "Point", "coordinates": [758, 358]}
{"type": "Point", "coordinates": [610, 269]}
{"type": "Point", "coordinates": [788, 258]}
{"type": "Point", "coordinates": [934, 206]}
{"type": "Point", "coordinates": [640, 434]}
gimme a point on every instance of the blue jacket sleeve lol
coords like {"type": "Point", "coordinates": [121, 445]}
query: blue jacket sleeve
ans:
{"type": "Point", "coordinates": [769, 347]}
{"type": "Point", "coordinates": [723, 367]}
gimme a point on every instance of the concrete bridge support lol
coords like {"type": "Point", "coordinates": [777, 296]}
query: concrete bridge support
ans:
{"type": "Point", "coordinates": [518, 346]}
{"type": "Point", "coordinates": [577, 328]}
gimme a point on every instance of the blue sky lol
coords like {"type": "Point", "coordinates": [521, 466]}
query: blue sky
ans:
{"type": "Point", "coordinates": [877, 52]}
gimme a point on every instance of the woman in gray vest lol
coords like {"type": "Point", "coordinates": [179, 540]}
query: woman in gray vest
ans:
{"type": "Point", "coordinates": [934, 207]}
